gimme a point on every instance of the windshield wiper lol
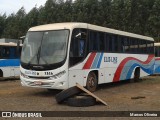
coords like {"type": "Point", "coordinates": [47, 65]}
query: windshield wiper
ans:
{"type": "Point", "coordinates": [29, 63]}
{"type": "Point", "coordinates": [38, 57]}
{"type": "Point", "coordinates": [38, 54]}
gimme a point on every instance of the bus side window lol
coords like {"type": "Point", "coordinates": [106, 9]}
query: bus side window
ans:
{"type": "Point", "coordinates": [116, 45]}
{"type": "Point", "coordinates": [156, 51]}
{"type": "Point", "coordinates": [12, 52]}
{"type": "Point", "coordinates": [94, 41]}
{"type": "Point", "coordinates": [136, 45]}
{"type": "Point", "coordinates": [81, 47]}
{"type": "Point", "coordinates": [102, 42]}
{"type": "Point", "coordinates": [5, 52]}
{"type": "Point", "coordinates": [126, 45]}
{"type": "Point", "coordinates": [78, 42]}
{"type": "Point", "coordinates": [110, 43]}
{"type": "Point", "coordinates": [1, 53]}
{"type": "Point", "coordinates": [121, 44]}
{"type": "Point", "coordinates": [150, 48]}
{"type": "Point", "coordinates": [142, 46]}
{"type": "Point", "coordinates": [107, 42]}
{"type": "Point", "coordinates": [77, 46]}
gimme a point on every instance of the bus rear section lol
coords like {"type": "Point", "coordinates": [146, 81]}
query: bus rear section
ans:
{"type": "Point", "coordinates": [9, 60]}
{"type": "Point", "coordinates": [157, 58]}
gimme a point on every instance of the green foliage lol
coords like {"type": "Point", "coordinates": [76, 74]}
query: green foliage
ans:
{"type": "Point", "coordinates": [15, 25]}
{"type": "Point", "coordinates": [32, 18]}
{"type": "Point", "coordinates": [154, 21]}
{"type": "Point", "coordinates": [137, 16]}
{"type": "Point", "coordinates": [2, 24]}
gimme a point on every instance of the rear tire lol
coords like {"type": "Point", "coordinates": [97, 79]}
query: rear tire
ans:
{"type": "Point", "coordinates": [136, 75]}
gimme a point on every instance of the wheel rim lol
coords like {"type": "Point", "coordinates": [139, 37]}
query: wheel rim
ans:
{"type": "Point", "coordinates": [91, 82]}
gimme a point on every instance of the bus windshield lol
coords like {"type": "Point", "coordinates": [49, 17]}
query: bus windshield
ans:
{"type": "Point", "coordinates": [45, 47]}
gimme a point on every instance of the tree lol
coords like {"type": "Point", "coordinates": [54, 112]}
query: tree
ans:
{"type": "Point", "coordinates": [154, 21]}
{"type": "Point", "coordinates": [65, 9]}
{"type": "Point", "coordinates": [136, 16]}
{"type": "Point", "coordinates": [32, 18]}
{"type": "Point", "coordinates": [48, 12]}
{"type": "Point", "coordinates": [105, 13]}
{"type": "Point", "coordinates": [120, 14]}
{"type": "Point", "coordinates": [2, 23]}
{"type": "Point", "coordinates": [15, 24]}
{"type": "Point", "coordinates": [21, 22]}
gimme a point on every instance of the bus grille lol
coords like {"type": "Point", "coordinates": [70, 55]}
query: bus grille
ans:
{"type": "Point", "coordinates": [43, 84]}
{"type": "Point", "coordinates": [38, 77]}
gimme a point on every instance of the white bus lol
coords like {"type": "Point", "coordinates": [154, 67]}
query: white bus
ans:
{"type": "Point", "coordinates": [157, 58]}
{"type": "Point", "coordinates": [9, 60]}
{"type": "Point", "coordinates": [57, 56]}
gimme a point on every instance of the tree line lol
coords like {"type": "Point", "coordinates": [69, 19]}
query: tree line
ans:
{"type": "Point", "coordinates": [136, 16]}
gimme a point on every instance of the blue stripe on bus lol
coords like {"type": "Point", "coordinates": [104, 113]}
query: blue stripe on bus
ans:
{"type": "Point", "coordinates": [95, 61]}
{"type": "Point", "coordinates": [146, 68]}
{"type": "Point", "coordinates": [9, 62]}
{"type": "Point", "coordinates": [100, 60]}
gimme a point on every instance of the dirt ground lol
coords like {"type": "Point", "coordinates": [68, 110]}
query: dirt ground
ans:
{"type": "Point", "coordinates": [14, 97]}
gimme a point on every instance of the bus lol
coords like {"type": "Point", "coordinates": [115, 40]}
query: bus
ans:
{"type": "Point", "coordinates": [59, 55]}
{"type": "Point", "coordinates": [9, 60]}
{"type": "Point", "coordinates": [157, 58]}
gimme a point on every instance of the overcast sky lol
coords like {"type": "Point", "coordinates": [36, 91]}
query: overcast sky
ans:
{"type": "Point", "coordinates": [10, 6]}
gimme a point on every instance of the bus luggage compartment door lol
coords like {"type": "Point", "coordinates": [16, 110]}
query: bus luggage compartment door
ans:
{"type": "Point", "coordinates": [76, 76]}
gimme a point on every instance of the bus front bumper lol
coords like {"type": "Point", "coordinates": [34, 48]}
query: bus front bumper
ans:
{"type": "Point", "coordinates": [60, 83]}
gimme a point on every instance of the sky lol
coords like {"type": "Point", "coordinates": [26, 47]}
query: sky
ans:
{"type": "Point", "coordinates": [12, 6]}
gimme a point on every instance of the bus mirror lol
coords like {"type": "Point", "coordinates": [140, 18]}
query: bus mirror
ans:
{"type": "Point", "coordinates": [81, 35]}
{"type": "Point", "coordinates": [22, 38]}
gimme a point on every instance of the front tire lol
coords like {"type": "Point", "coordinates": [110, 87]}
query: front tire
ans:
{"type": "Point", "coordinates": [92, 82]}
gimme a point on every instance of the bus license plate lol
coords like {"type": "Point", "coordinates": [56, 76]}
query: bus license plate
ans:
{"type": "Point", "coordinates": [38, 82]}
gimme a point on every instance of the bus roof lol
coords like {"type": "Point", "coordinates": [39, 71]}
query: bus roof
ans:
{"type": "Point", "coordinates": [156, 44]}
{"type": "Point", "coordinates": [72, 25]}
{"type": "Point", "coordinates": [9, 44]}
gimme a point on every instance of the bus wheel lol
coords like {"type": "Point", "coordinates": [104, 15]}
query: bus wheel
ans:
{"type": "Point", "coordinates": [92, 82]}
{"type": "Point", "coordinates": [136, 75]}
{"type": "Point", "coordinates": [1, 73]}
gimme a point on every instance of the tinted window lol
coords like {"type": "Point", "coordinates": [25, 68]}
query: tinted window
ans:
{"type": "Point", "coordinates": [102, 42]}
{"type": "Point", "coordinates": [94, 41]}
{"type": "Point", "coordinates": [107, 42]}
{"type": "Point", "coordinates": [78, 46]}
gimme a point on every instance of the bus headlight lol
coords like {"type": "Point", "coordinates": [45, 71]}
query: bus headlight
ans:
{"type": "Point", "coordinates": [23, 75]}
{"type": "Point", "coordinates": [58, 75]}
